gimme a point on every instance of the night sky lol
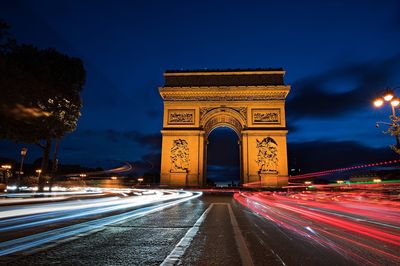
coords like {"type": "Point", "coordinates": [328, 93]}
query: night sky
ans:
{"type": "Point", "coordinates": [338, 55]}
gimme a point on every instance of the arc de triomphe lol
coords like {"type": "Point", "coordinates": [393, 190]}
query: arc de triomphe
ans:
{"type": "Point", "coordinates": [251, 102]}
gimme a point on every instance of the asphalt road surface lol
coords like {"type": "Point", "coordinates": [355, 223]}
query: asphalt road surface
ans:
{"type": "Point", "coordinates": [207, 230]}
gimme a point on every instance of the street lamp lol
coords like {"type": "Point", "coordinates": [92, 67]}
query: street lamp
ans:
{"type": "Point", "coordinates": [6, 168]}
{"type": "Point", "coordinates": [394, 127]}
{"type": "Point", "coordinates": [39, 172]}
{"type": "Point", "coordinates": [23, 154]}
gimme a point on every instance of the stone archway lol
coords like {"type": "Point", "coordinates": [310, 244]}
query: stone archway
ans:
{"type": "Point", "coordinates": [221, 117]}
{"type": "Point", "coordinates": [251, 102]}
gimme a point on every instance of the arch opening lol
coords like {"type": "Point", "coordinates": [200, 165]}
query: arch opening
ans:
{"type": "Point", "coordinates": [223, 157]}
{"type": "Point", "coordinates": [223, 117]}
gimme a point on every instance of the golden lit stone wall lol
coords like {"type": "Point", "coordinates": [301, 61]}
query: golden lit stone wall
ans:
{"type": "Point", "coordinates": [256, 113]}
{"type": "Point", "coordinates": [193, 163]}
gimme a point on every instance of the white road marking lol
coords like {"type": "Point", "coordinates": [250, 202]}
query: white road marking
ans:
{"type": "Point", "coordinates": [176, 254]}
{"type": "Point", "coordinates": [240, 242]}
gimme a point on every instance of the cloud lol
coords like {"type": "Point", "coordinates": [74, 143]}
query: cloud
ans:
{"type": "Point", "coordinates": [291, 127]}
{"type": "Point", "coordinates": [341, 90]}
{"type": "Point", "coordinates": [152, 140]}
{"type": "Point", "coordinates": [112, 135]}
{"type": "Point", "coordinates": [150, 162]}
{"type": "Point", "coordinates": [153, 113]}
{"type": "Point", "coordinates": [323, 155]}
{"type": "Point", "coordinates": [71, 148]}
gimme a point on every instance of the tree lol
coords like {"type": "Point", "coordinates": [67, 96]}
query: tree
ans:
{"type": "Point", "coordinates": [394, 130]}
{"type": "Point", "coordinates": [40, 96]}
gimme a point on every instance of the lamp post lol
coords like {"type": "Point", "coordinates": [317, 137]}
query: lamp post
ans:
{"type": "Point", "coordinates": [6, 168]}
{"type": "Point", "coordinates": [394, 127]}
{"type": "Point", "coordinates": [39, 172]}
{"type": "Point", "coordinates": [23, 154]}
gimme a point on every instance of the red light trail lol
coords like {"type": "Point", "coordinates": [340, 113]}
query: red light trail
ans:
{"type": "Point", "coordinates": [331, 171]}
{"type": "Point", "coordinates": [356, 225]}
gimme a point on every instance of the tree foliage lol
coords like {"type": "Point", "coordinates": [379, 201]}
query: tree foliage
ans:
{"type": "Point", "coordinates": [41, 90]}
{"type": "Point", "coordinates": [394, 130]}
{"type": "Point", "coordinates": [40, 93]}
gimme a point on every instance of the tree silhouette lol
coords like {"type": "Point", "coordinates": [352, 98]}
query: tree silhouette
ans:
{"type": "Point", "coordinates": [40, 95]}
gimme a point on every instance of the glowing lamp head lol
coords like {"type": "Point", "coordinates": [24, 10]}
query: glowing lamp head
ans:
{"type": "Point", "coordinates": [388, 96]}
{"type": "Point", "coordinates": [24, 151]}
{"type": "Point", "coordinates": [395, 102]}
{"type": "Point", "coordinates": [378, 102]}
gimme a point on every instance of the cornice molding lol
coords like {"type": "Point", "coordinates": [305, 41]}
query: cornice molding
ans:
{"type": "Point", "coordinates": [235, 93]}
{"type": "Point", "coordinates": [220, 73]}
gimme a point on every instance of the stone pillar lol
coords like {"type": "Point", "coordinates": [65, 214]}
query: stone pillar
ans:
{"type": "Point", "coordinates": [244, 157]}
{"type": "Point", "coordinates": [266, 166]}
{"type": "Point", "coordinates": [240, 160]}
{"type": "Point", "coordinates": [182, 157]}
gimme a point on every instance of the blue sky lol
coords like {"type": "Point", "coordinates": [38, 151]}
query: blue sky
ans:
{"type": "Point", "coordinates": [338, 55]}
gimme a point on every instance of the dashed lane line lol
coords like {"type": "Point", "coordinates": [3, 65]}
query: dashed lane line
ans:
{"type": "Point", "coordinates": [176, 254]}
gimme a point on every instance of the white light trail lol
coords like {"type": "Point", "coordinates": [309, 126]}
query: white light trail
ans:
{"type": "Point", "coordinates": [35, 240]}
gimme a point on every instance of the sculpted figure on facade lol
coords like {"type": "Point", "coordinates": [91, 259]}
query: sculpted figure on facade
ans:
{"type": "Point", "coordinates": [180, 156]}
{"type": "Point", "coordinates": [267, 156]}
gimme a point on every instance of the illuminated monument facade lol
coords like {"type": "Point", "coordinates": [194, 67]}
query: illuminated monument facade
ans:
{"type": "Point", "coordinates": [251, 102]}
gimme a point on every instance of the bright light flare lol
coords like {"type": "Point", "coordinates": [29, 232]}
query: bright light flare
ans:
{"type": "Point", "coordinates": [395, 102]}
{"type": "Point", "coordinates": [388, 96]}
{"type": "Point", "coordinates": [378, 102]}
{"type": "Point", "coordinates": [6, 166]}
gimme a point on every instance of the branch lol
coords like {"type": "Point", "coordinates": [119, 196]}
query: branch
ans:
{"type": "Point", "coordinates": [40, 145]}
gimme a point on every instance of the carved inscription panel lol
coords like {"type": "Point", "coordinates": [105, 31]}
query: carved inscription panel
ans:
{"type": "Point", "coordinates": [266, 116]}
{"type": "Point", "coordinates": [181, 117]}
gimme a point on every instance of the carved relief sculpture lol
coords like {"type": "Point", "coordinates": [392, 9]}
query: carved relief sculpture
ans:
{"type": "Point", "coordinates": [181, 117]}
{"type": "Point", "coordinates": [180, 156]}
{"type": "Point", "coordinates": [267, 157]}
{"type": "Point", "coordinates": [204, 111]}
{"type": "Point", "coordinates": [266, 116]}
{"type": "Point", "coordinates": [242, 111]}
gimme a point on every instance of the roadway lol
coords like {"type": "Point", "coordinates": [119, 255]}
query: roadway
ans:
{"type": "Point", "coordinates": [178, 228]}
